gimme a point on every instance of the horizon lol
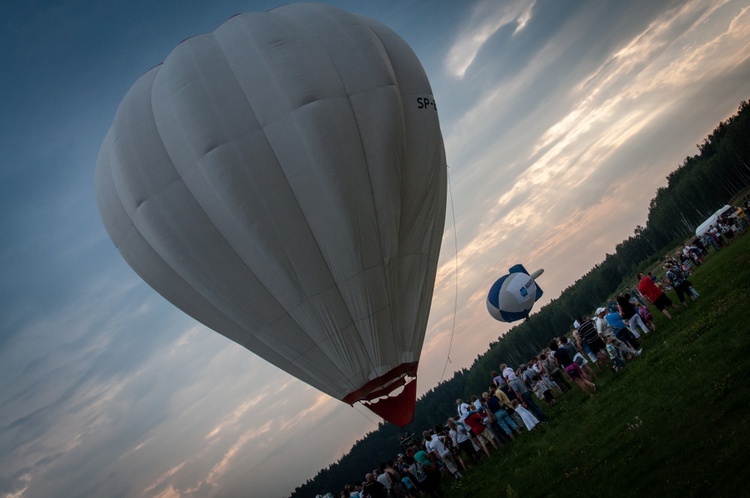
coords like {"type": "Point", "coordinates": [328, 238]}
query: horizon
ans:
{"type": "Point", "coordinates": [559, 122]}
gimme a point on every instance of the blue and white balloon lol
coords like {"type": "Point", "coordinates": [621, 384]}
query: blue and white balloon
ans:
{"type": "Point", "coordinates": [513, 295]}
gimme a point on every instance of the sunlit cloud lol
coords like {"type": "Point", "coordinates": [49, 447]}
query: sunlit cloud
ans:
{"type": "Point", "coordinates": [697, 62]}
{"type": "Point", "coordinates": [169, 492]}
{"type": "Point", "coordinates": [220, 468]}
{"type": "Point", "coordinates": [567, 148]}
{"type": "Point", "coordinates": [164, 478]}
{"type": "Point", "coordinates": [236, 415]}
{"type": "Point", "coordinates": [486, 19]}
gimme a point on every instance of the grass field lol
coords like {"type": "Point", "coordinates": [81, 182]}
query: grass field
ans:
{"type": "Point", "coordinates": [674, 422]}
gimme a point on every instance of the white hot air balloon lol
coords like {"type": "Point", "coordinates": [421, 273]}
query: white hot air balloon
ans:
{"type": "Point", "coordinates": [283, 181]}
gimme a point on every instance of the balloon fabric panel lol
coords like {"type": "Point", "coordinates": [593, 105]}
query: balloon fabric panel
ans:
{"type": "Point", "coordinates": [277, 181]}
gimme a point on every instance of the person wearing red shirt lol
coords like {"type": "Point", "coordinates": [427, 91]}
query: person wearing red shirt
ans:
{"type": "Point", "coordinates": [650, 291]}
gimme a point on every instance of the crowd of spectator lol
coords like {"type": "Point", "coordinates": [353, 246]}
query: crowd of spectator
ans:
{"type": "Point", "coordinates": [510, 407]}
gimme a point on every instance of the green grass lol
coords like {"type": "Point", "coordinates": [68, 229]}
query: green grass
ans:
{"type": "Point", "coordinates": [675, 422]}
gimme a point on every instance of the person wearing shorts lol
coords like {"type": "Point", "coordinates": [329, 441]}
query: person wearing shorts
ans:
{"type": "Point", "coordinates": [565, 361]}
{"type": "Point", "coordinates": [650, 291]}
{"type": "Point", "coordinates": [662, 303]}
{"type": "Point", "coordinates": [574, 371]}
{"type": "Point", "coordinates": [588, 334]}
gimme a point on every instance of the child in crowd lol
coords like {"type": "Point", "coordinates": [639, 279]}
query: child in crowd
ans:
{"type": "Point", "coordinates": [614, 355]}
{"type": "Point", "coordinates": [646, 316]}
{"type": "Point", "coordinates": [528, 418]}
{"type": "Point", "coordinates": [542, 391]}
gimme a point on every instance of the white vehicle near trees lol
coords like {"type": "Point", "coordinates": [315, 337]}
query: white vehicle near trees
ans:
{"type": "Point", "coordinates": [711, 220]}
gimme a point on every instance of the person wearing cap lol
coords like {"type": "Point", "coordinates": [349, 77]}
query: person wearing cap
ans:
{"type": "Point", "coordinates": [602, 327]}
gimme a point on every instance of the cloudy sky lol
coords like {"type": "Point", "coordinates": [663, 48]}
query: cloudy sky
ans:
{"type": "Point", "coordinates": [560, 120]}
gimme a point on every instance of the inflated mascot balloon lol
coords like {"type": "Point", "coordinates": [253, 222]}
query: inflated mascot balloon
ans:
{"type": "Point", "coordinates": [513, 295]}
{"type": "Point", "coordinates": [283, 181]}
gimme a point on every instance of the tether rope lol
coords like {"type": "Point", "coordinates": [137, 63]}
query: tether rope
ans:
{"type": "Point", "coordinates": [455, 271]}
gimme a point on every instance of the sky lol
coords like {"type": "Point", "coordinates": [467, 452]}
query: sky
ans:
{"type": "Point", "coordinates": [560, 121]}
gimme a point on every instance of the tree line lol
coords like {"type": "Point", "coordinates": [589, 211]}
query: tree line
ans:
{"type": "Point", "coordinates": [695, 190]}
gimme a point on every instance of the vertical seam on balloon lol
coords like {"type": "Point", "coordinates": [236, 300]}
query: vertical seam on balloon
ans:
{"type": "Point", "coordinates": [133, 227]}
{"type": "Point", "coordinates": [395, 320]}
{"type": "Point", "coordinates": [319, 374]}
{"type": "Point", "coordinates": [270, 144]}
{"type": "Point", "coordinates": [378, 360]}
{"type": "Point", "coordinates": [417, 339]}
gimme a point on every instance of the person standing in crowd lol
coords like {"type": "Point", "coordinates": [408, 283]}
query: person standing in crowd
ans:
{"type": "Point", "coordinates": [636, 295]}
{"type": "Point", "coordinates": [490, 421]}
{"type": "Point", "coordinates": [373, 489]}
{"type": "Point", "coordinates": [462, 409]}
{"type": "Point", "coordinates": [383, 478]}
{"type": "Point", "coordinates": [715, 234]}
{"type": "Point", "coordinates": [481, 433]}
{"type": "Point", "coordinates": [578, 358]}
{"type": "Point", "coordinates": [587, 333]}
{"type": "Point", "coordinates": [397, 487]}
{"type": "Point", "coordinates": [500, 384]}
{"type": "Point", "coordinates": [462, 440]}
{"type": "Point", "coordinates": [550, 368]}
{"type": "Point", "coordinates": [629, 313]}
{"type": "Point", "coordinates": [428, 474]}
{"type": "Point", "coordinates": [656, 281]}
{"type": "Point", "coordinates": [534, 382]}
{"type": "Point", "coordinates": [650, 291]}
{"type": "Point", "coordinates": [565, 361]}
{"type": "Point", "coordinates": [679, 283]}
{"type": "Point", "coordinates": [523, 394]}
{"type": "Point", "coordinates": [602, 327]}
{"type": "Point", "coordinates": [502, 408]}
{"type": "Point", "coordinates": [621, 330]}
{"type": "Point", "coordinates": [497, 379]}
{"type": "Point", "coordinates": [646, 316]}
{"type": "Point", "coordinates": [437, 443]}
{"type": "Point", "coordinates": [614, 354]}
{"type": "Point", "coordinates": [538, 366]}
{"type": "Point", "coordinates": [528, 418]}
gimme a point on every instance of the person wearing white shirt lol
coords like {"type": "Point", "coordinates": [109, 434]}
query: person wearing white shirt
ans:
{"type": "Point", "coordinates": [438, 445]}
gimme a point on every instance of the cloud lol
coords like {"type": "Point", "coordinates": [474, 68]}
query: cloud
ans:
{"type": "Point", "coordinates": [486, 19]}
{"type": "Point", "coordinates": [564, 174]}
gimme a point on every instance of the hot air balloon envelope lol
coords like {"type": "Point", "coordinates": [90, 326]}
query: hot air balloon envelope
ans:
{"type": "Point", "coordinates": [282, 181]}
